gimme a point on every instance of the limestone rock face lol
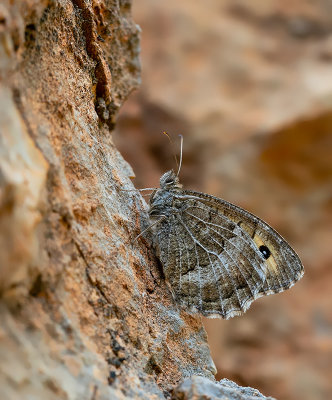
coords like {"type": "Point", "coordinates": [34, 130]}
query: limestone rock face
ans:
{"type": "Point", "coordinates": [249, 86]}
{"type": "Point", "coordinates": [23, 171]}
{"type": "Point", "coordinates": [200, 388]}
{"type": "Point", "coordinates": [85, 311]}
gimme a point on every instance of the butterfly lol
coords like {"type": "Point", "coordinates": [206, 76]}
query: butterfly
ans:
{"type": "Point", "coordinates": [217, 257]}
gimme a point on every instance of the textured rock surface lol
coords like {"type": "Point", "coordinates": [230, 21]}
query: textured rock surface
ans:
{"type": "Point", "coordinates": [85, 312]}
{"type": "Point", "coordinates": [23, 172]}
{"type": "Point", "coordinates": [249, 85]}
{"type": "Point", "coordinates": [199, 388]}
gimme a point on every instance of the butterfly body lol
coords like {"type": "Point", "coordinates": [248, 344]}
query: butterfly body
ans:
{"type": "Point", "coordinates": [217, 257]}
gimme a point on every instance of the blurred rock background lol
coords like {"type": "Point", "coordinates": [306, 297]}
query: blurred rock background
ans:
{"type": "Point", "coordinates": [249, 86]}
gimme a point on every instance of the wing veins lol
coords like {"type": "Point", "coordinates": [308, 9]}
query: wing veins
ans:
{"type": "Point", "coordinates": [276, 275]}
{"type": "Point", "coordinates": [180, 253]}
{"type": "Point", "coordinates": [252, 293]}
{"type": "Point", "coordinates": [260, 222]}
{"type": "Point", "coordinates": [231, 258]}
{"type": "Point", "coordinates": [223, 274]}
{"type": "Point", "coordinates": [232, 244]}
{"type": "Point", "coordinates": [183, 241]}
{"type": "Point", "coordinates": [253, 247]}
{"type": "Point", "coordinates": [207, 252]}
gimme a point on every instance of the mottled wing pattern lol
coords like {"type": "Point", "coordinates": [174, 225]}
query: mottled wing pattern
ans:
{"type": "Point", "coordinates": [219, 258]}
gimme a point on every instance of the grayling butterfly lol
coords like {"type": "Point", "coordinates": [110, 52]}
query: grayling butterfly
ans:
{"type": "Point", "coordinates": [217, 258]}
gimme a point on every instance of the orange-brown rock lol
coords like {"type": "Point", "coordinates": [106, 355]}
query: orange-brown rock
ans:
{"type": "Point", "coordinates": [249, 85]}
{"type": "Point", "coordinates": [85, 311]}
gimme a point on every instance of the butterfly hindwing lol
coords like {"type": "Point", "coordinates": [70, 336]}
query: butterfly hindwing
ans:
{"type": "Point", "coordinates": [217, 257]}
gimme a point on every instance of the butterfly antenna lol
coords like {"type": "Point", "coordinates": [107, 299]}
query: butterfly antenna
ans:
{"type": "Point", "coordinates": [172, 144]}
{"type": "Point", "coordinates": [181, 152]}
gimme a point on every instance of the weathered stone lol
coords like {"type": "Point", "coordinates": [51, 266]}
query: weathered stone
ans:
{"type": "Point", "coordinates": [200, 388]}
{"type": "Point", "coordinates": [85, 310]}
{"type": "Point", "coordinates": [23, 172]}
{"type": "Point", "coordinates": [249, 86]}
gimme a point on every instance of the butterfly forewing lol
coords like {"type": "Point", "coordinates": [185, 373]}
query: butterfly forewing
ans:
{"type": "Point", "coordinates": [217, 257]}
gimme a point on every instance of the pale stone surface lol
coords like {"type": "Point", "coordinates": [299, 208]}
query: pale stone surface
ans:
{"type": "Point", "coordinates": [23, 172]}
{"type": "Point", "coordinates": [200, 388]}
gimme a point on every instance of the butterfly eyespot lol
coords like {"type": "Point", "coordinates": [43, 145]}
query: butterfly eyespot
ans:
{"type": "Point", "coordinates": [217, 258]}
{"type": "Point", "coordinates": [265, 251]}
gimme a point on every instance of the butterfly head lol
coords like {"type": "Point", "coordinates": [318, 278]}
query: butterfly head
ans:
{"type": "Point", "coordinates": [170, 180]}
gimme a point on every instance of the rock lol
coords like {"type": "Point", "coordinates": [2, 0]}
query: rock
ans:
{"type": "Point", "coordinates": [249, 85]}
{"type": "Point", "coordinates": [200, 388]}
{"type": "Point", "coordinates": [85, 310]}
{"type": "Point", "coordinates": [23, 172]}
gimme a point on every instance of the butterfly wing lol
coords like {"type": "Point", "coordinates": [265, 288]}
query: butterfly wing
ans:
{"type": "Point", "coordinates": [219, 258]}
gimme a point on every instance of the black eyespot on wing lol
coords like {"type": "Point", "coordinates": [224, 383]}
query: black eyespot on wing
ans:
{"type": "Point", "coordinates": [265, 251]}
